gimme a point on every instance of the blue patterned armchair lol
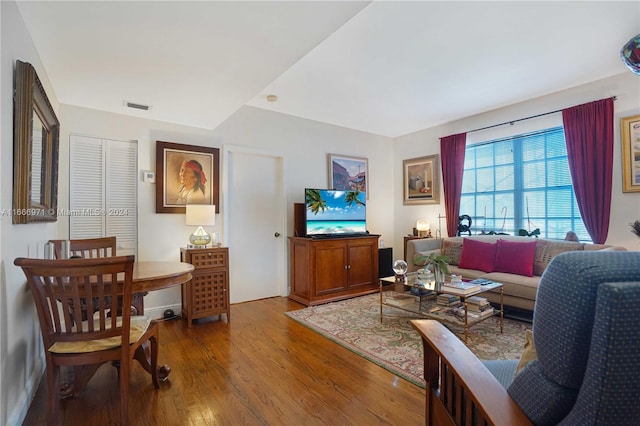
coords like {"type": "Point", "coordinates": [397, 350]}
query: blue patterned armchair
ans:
{"type": "Point", "coordinates": [586, 329]}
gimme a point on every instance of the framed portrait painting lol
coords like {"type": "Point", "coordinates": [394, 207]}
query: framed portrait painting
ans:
{"type": "Point", "coordinates": [630, 153]}
{"type": "Point", "coordinates": [348, 173]}
{"type": "Point", "coordinates": [186, 174]}
{"type": "Point", "coordinates": [421, 180]}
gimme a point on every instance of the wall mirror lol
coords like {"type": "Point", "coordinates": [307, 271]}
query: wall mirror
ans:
{"type": "Point", "coordinates": [36, 132]}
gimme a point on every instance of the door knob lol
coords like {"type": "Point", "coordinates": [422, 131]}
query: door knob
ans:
{"type": "Point", "coordinates": [277, 234]}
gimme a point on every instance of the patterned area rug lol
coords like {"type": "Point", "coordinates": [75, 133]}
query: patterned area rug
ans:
{"type": "Point", "coordinates": [394, 344]}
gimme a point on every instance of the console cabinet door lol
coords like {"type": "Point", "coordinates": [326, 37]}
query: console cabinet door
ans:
{"type": "Point", "coordinates": [361, 258]}
{"type": "Point", "coordinates": [331, 268]}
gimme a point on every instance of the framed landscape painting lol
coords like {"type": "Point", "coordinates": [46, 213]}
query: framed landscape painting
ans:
{"type": "Point", "coordinates": [421, 180]}
{"type": "Point", "coordinates": [348, 173]}
{"type": "Point", "coordinates": [186, 174]}
{"type": "Point", "coordinates": [631, 153]}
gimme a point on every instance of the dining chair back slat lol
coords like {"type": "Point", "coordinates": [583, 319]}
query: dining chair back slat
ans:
{"type": "Point", "coordinates": [86, 247]}
{"type": "Point", "coordinates": [91, 248]}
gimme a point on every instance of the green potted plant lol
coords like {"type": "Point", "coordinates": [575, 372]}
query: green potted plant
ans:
{"type": "Point", "coordinates": [439, 263]}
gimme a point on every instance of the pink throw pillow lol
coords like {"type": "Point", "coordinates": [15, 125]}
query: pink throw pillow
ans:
{"type": "Point", "coordinates": [477, 255]}
{"type": "Point", "coordinates": [515, 257]}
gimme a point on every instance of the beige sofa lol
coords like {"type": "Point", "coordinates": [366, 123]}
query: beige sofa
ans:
{"type": "Point", "coordinates": [519, 290]}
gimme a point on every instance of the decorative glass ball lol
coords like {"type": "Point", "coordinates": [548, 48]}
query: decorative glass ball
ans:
{"type": "Point", "coordinates": [400, 267]}
{"type": "Point", "coordinates": [630, 54]}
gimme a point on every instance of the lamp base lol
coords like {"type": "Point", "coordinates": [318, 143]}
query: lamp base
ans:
{"type": "Point", "coordinates": [200, 238]}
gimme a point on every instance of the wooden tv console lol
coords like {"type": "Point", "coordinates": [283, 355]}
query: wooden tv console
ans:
{"type": "Point", "coordinates": [325, 270]}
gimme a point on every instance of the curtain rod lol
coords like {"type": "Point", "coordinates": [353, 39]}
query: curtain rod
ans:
{"type": "Point", "coordinates": [522, 119]}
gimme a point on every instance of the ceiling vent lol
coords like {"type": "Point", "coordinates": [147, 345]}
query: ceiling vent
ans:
{"type": "Point", "coordinates": [137, 106]}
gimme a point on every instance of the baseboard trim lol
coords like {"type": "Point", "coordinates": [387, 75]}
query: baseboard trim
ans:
{"type": "Point", "coordinates": [21, 408]}
{"type": "Point", "coordinates": [158, 312]}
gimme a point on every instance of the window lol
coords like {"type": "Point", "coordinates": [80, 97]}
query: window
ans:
{"type": "Point", "coordinates": [522, 182]}
{"type": "Point", "coordinates": [103, 191]}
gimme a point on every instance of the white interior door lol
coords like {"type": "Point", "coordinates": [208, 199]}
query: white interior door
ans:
{"type": "Point", "coordinates": [255, 224]}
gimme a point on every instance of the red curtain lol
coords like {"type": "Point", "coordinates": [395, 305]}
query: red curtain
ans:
{"type": "Point", "coordinates": [588, 130]}
{"type": "Point", "coordinates": [452, 149]}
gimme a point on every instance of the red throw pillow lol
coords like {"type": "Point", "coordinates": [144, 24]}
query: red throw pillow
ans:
{"type": "Point", "coordinates": [477, 255]}
{"type": "Point", "coordinates": [515, 257]}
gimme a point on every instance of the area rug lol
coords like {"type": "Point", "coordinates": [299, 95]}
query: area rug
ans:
{"type": "Point", "coordinates": [394, 344]}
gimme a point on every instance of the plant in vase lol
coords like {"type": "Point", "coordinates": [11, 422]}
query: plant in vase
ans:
{"type": "Point", "coordinates": [438, 263]}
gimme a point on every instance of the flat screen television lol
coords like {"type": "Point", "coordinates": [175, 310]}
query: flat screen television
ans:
{"type": "Point", "coordinates": [331, 212]}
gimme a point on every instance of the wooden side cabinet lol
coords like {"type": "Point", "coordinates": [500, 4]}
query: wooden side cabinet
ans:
{"type": "Point", "coordinates": [325, 270]}
{"type": "Point", "coordinates": [207, 293]}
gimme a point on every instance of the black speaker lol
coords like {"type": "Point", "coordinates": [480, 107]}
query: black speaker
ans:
{"type": "Point", "coordinates": [385, 262]}
{"type": "Point", "coordinates": [299, 220]}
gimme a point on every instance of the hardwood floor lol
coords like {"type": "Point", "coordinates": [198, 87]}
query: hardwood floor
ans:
{"type": "Point", "coordinates": [261, 369]}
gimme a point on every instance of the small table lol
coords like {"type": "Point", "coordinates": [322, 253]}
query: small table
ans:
{"type": "Point", "coordinates": [445, 315]}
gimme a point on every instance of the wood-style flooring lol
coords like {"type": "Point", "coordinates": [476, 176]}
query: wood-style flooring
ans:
{"type": "Point", "coordinates": [262, 368]}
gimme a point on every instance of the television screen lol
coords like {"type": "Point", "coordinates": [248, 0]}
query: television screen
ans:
{"type": "Point", "coordinates": [330, 212]}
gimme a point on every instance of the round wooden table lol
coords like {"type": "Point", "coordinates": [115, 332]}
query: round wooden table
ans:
{"type": "Point", "coordinates": [149, 276]}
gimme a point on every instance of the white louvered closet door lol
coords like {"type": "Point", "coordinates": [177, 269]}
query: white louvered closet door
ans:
{"type": "Point", "coordinates": [103, 190]}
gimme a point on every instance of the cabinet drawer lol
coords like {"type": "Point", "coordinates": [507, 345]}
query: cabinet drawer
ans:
{"type": "Point", "coordinates": [209, 259]}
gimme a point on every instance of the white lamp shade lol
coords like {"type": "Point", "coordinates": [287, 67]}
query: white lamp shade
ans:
{"type": "Point", "coordinates": [201, 214]}
{"type": "Point", "coordinates": [423, 225]}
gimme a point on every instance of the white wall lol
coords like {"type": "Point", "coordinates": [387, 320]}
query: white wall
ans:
{"type": "Point", "coordinates": [21, 355]}
{"type": "Point", "coordinates": [625, 207]}
{"type": "Point", "coordinates": [305, 146]}
{"type": "Point", "coordinates": [160, 236]}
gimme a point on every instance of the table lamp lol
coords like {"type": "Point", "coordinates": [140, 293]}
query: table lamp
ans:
{"type": "Point", "coordinates": [424, 228]}
{"type": "Point", "coordinates": [200, 215]}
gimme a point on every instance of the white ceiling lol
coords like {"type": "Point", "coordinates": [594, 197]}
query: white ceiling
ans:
{"type": "Point", "coordinates": [385, 67]}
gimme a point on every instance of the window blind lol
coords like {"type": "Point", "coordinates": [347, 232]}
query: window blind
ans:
{"type": "Point", "coordinates": [522, 182]}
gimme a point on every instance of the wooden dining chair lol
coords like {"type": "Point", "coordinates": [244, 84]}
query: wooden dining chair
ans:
{"type": "Point", "coordinates": [87, 247]}
{"type": "Point", "coordinates": [60, 289]}
{"type": "Point", "coordinates": [90, 248]}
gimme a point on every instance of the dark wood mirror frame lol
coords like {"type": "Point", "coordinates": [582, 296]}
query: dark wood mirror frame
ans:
{"type": "Point", "coordinates": [36, 132]}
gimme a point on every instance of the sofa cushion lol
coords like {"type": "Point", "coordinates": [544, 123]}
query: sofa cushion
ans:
{"type": "Point", "coordinates": [477, 255]}
{"type": "Point", "coordinates": [452, 248]}
{"type": "Point", "coordinates": [516, 285]}
{"type": "Point", "coordinates": [515, 257]}
{"type": "Point", "coordinates": [546, 250]}
{"type": "Point", "coordinates": [419, 259]}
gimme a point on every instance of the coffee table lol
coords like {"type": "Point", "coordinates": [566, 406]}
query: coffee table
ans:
{"type": "Point", "coordinates": [426, 308]}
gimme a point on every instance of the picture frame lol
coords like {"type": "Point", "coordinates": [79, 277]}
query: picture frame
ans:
{"type": "Point", "coordinates": [349, 173]}
{"type": "Point", "coordinates": [186, 174]}
{"type": "Point", "coordinates": [36, 140]}
{"type": "Point", "coordinates": [630, 137]}
{"type": "Point", "coordinates": [421, 180]}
